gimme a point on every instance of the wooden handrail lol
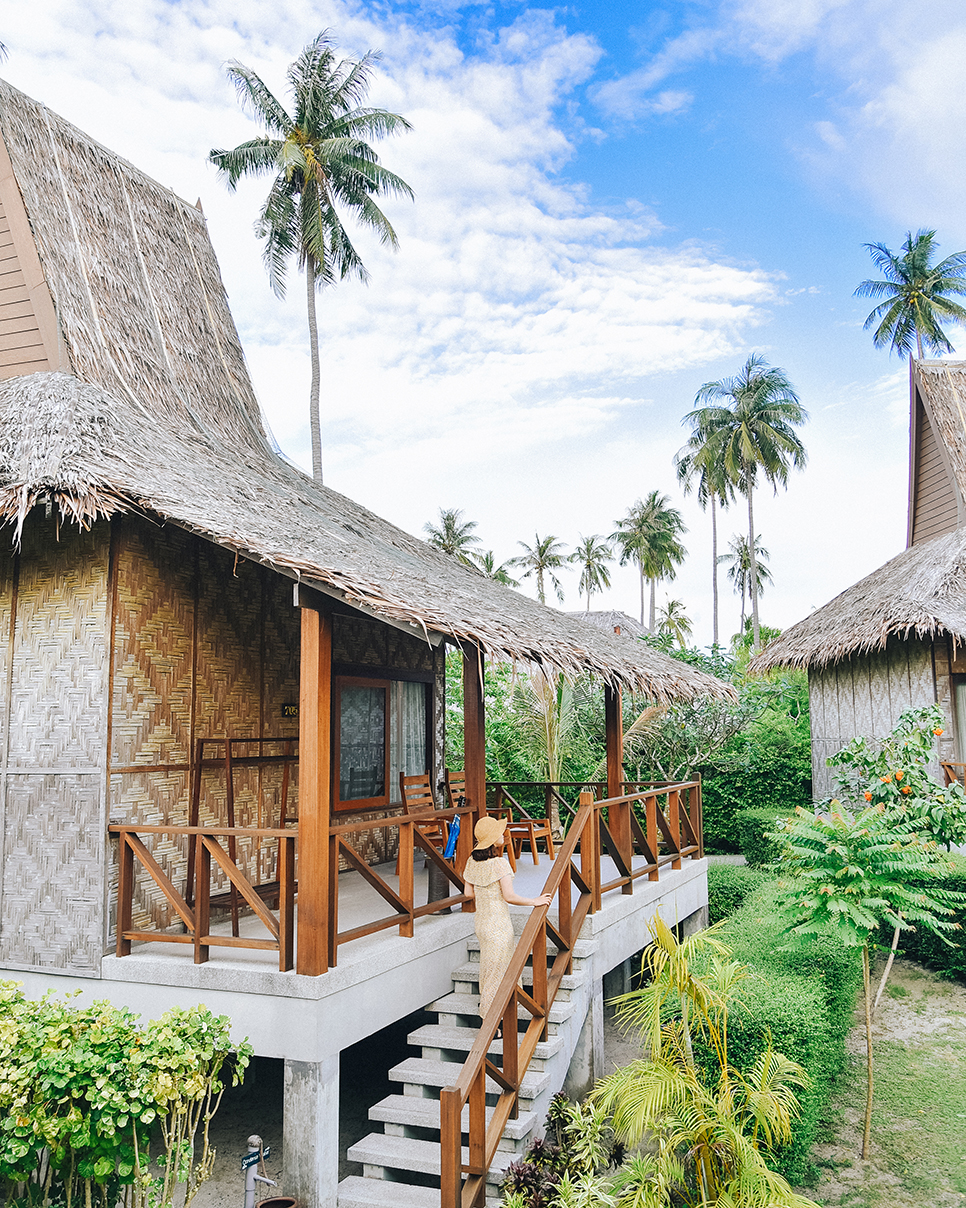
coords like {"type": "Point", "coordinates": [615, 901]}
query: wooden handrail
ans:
{"type": "Point", "coordinates": [463, 1185]}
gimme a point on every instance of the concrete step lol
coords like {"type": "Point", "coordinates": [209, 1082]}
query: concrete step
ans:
{"type": "Point", "coordinates": [355, 1192]}
{"type": "Point", "coordinates": [380, 1152]}
{"type": "Point", "coordinates": [408, 1110]}
{"type": "Point", "coordinates": [461, 1040]}
{"type": "Point", "coordinates": [470, 972]}
{"type": "Point", "coordinates": [418, 1072]}
{"type": "Point", "coordinates": [468, 1005]}
{"type": "Point", "coordinates": [584, 947]}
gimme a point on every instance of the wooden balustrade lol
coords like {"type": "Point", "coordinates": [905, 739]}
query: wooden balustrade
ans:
{"type": "Point", "coordinates": [196, 917]}
{"type": "Point", "coordinates": [662, 824]}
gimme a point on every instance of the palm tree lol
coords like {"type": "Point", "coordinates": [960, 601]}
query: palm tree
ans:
{"type": "Point", "coordinates": [542, 558]}
{"type": "Point", "coordinates": [752, 431]}
{"type": "Point", "coordinates": [487, 564]}
{"type": "Point", "coordinates": [648, 535]}
{"type": "Point", "coordinates": [321, 164]}
{"type": "Point", "coordinates": [696, 465]}
{"type": "Point", "coordinates": [672, 621]}
{"type": "Point", "coordinates": [453, 535]}
{"type": "Point", "coordinates": [739, 569]}
{"type": "Point", "coordinates": [592, 555]}
{"type": "Point", "coordinates": [916, 294]}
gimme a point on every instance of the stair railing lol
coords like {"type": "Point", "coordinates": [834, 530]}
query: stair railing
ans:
{"type": "Point", "coordinates": [612, 825]}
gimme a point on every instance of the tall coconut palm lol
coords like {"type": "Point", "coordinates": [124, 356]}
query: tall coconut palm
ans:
{"type": "Point", "coordinates": [648, 535]}
{"type": "Point", "coordinates": [750, 420]}
{"type": "Point", "coordinates": [738, 562]}
{"type": "Point", "coordinates": [453, 535]}
{"type": "Point", "coordinates": [592, 556]}
{"type": "Point", "coordinates": [322, 166]}
{"type": "Point", "coordinates": [541, 559]}
{"type": "Point", "coordinates": [698, 466]}
{"type": "Point", "coordinates": [916, 295]}
{"type": "Point", "coordinates": [486, 563]}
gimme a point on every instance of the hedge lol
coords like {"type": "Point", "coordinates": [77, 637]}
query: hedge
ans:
{"type": "Point", "coordinates": [728, 886]}
{"type": "Point", "coordinates": [929, 949]}
{"type": "Point", "coordinates": [752, 826]}
{"type": "Point", "coordinates": [803, 999]}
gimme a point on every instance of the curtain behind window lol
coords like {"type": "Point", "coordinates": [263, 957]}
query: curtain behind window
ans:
{"type": "Point", "coordinates": [407, 747]}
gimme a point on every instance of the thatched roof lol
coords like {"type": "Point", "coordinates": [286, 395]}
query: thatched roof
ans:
{"type": "Point", "coordinates": [157, 415]}
{"type": "Point", "coordinates": [611, 619]}
{"type": "Point", "coordinates": [921, 593]}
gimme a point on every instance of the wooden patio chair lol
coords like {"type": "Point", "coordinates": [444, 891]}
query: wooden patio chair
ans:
{"type": "Point", "coordinates": [418, 801]}
{"type": "Point", "coordinates": [955, 773]}
{"type": "Point", "coordinates": [456, 790]}
{"type": "Point", "coordinates": [524, 830]}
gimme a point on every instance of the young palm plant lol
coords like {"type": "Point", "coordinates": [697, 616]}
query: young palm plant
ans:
{"type": "Point", "coordinates": [322, 164]}
{"type": "Point", "coordinates": [453, 535]}
{"type": "Point", "coordinates": [708, 1126]}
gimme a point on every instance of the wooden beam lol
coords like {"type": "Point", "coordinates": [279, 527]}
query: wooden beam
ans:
{"type": "Point", "coordinates": [315, 704]}
{"type": "Point", "coordinates": [474, 733]}
{"type": "Point", "coordinates": [619, 816]}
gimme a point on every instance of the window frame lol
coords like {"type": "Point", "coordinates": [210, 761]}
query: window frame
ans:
{"type": "Point", "coordinates": [359, 803]}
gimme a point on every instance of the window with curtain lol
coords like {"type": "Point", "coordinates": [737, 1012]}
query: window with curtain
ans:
{"type": "Point", "coordinates": [382, 731]}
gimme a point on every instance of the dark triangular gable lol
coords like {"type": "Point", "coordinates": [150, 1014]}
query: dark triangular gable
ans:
{"type": "Point", "coordinates": [935, 503]}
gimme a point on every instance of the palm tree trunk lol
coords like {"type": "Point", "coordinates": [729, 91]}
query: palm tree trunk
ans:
{"type": "Point", "coordinates": [919, 343]}
{"type": "Point", "coordinates": [653, 603]}
{"type": "Point", "coordinates": [314, 422]}
{"type": "Point", "coordinates": [752, 567]}
{"type": "Point", "coordinates": [714, 569]}
{"type": "Point", "coordinates": [540, 595]}
{"type": "Point", "coordinates": [640, 567]}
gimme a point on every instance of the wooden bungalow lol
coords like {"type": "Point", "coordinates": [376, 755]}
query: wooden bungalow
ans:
{"type": "Point", "coordinates": [210, 659]}
{"type": "Point", "coordinates": [895, 640]}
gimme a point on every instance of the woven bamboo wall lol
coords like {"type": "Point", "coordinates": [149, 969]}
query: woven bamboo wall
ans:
{"type": "Point", "coordinates": [865, 695]}
{"type": "Point", "coordinates": [53, 614]}
{"type": "Point", "coordinates": [203, 647]}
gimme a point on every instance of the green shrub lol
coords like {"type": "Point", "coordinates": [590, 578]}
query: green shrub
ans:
{"type": "Point", "coordinates": [728, 886]}
{"type": "Point", "coordinates": [803, 999]}
{"type": "Point", "coordinates": [929, 949]}
{"type": "Point", "coordinates": [752, 826]}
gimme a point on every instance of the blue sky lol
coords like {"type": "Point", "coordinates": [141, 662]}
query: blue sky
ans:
{"type": "Point", "coordinates": [615, 203]}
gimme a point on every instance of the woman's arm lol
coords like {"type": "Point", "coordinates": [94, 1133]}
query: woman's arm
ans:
{"type": "Point", "coordinates": [469, 890]}
{"type": "Point", "coordinates": [514, 899]}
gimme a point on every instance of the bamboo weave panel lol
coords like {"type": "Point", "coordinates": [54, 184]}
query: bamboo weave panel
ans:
{"type": "Point", "coordinates": [53, 858]}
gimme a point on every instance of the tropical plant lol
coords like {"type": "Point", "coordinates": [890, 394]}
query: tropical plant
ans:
{"type": "Point", "coordinates": [648, 535]}
{"type": "Point", "coordinates": [487, 563]}
{"type": "Point", "coordinates": [750, 422]}
{"type": "Point", "coordinates": [453, 535]}
{"type": "Point", "coordinates": [850, 873]}
{"type": "Point", "coordinates": [673, 622]}
{"type": "Point", "coordinates": [84, 1091]}
{"type": "Point", "coordinates": [916, 294]}
{"type": "Point", "coordinates": [322, 164]}
{"type": "Point", "coordinates": [541, 559]}
{"type": "Point", "coordinates": [699, 464]}
{"type": "Point", "coordinates": [592, 555]}
{"type": "Point", "coordinates": [546, 715]}
{"type": "Point", "coordinates": [738, 562]}
{"type": "Point", "coordinates": [710, 1129]}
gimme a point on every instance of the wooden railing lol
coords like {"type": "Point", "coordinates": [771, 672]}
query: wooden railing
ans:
{"type": "Point", "coordinates": [613, 824]}
{"type": "Point", "coordinates": [205, 844]}
{"type": "Point", "coordinates": [405, 912]}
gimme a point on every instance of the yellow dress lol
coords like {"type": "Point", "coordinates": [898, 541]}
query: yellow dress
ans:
{"type": "Point", "coordinates": [493, 927]}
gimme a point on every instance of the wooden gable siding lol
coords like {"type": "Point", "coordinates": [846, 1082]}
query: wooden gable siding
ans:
{"type": "Point", "coordinates": [935, 509]}
{"type": "Point", "coordinates": [866, 695]}
{"type": "Point", "coordinates": [29, 333]}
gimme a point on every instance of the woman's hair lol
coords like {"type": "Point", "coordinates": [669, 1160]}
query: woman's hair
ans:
{"type": "Point", "coordinates": [485, 853]}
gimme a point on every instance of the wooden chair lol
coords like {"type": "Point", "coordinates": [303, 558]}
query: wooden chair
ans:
{"type": "Point", "coordinates": [456, 790]}
{"type": "Point", "coordinates": [418, 801]}
{"type": "Point", "coordinates": [954, 772]}
{"type": "Point", "coordinates": [527, 830]}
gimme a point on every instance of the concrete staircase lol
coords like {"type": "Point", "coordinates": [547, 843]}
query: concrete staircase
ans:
{"type": "Point", "coordinates": [401, 1163]}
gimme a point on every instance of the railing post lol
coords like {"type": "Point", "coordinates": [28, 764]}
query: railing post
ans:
{"type": "Point", "coordinates": [202, 898]}
{"type": "Point", "coordinates": [125, 894]}
{"type": "Point", "coordinates": [540, 975]}
{"type": "Point", "coordinates": [697, 819]}
{"type": "Point", "coordinates": [589, 853]}
{"type": "Point", "coordinates": [650, 815]}
{"type": "Point", "coordinates": [674, 822]}
{"type": "Point", "coordinates": [286, 903]}
{"type": "Point", "coordinates": [474, 733]}
{"type": "Point", "coordinates": [477, 1133]}
{"type": "Point", "coordinates": [315, 692]}
{"type": "Point", "coordinates": [332, 903]}
{"type": "Point", "coordinates": [511, 1043]}
{"type": "Point", "coordinates": [451, 1149]}
{"type": "Point", "coordinates": [406, 889]}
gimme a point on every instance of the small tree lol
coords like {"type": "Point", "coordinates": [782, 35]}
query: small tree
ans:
{"type": "Point", "coordinates": [852, 873]}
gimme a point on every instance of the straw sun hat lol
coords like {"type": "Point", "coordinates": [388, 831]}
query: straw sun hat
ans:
{"type": "Point", "coordinates": [488, 831]}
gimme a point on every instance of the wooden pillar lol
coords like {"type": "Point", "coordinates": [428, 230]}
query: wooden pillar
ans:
{"type": "Point", "coordinates": [474, 732]}
{"type": "Point", "coordinates": [315, 704]}
{"type": "Point", "coordinates": [619, 816]}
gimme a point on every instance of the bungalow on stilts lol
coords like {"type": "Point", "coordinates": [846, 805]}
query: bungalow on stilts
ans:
{"type": "Point", "coordinates": [214, 674]}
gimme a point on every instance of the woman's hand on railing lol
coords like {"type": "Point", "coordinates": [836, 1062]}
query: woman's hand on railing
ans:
{"type": "Point", "coordinates": [545, 899]}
